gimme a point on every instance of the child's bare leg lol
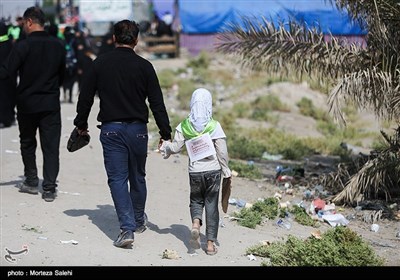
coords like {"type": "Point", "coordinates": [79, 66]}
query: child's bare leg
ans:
{"type": "Point", "coordinates": [195, 234]}
{"type": "Point", "coordinates": [196, 223]}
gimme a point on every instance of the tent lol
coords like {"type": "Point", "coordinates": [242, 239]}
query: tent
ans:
{"type": "Point", "coordinates": [207, 17]}
{"type": "Point", "coordinates": [201, 20]}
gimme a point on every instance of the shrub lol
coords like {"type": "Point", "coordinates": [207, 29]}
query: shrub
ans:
{"type": "Point", "coordinates": [302, 217]}
{"type": "Point", "coordinates": [269, 103]}
{"type": "Point", "coordinates": [166, 78]}
{"type": "Point", "coordinates": [268, 207]}
{"type": "Point", "coordinates": [244, 148]}
{"type": "Point", "coordinates": [251, 217]}
{"type": "Point", "coordinates": [200, 61]}
{"type": "Point", "coordinates": [338, 246]}
{"type": "Point", "coordinates": [248, 218]}
{"type": "Point", "coordinates": [249, 171]}
{"type": "Point", "coordinates": [186, 88]}
{"type": "Point", "coordinates": [307, 108]}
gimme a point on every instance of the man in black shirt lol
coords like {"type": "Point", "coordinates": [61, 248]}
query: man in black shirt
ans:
{"type": "Point", "coordinates": [123, 81]}
{"type": "Point", "coordinates": [39, 60]}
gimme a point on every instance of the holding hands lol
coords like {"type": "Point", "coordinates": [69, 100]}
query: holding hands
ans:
{"type": "Point", "coordinates": [162, 147]}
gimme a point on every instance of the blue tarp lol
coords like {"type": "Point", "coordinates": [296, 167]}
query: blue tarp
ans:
{"type": "Point", "coordinates": [161, 7]}
{"type": "Point", "coordinates": [212, 16]}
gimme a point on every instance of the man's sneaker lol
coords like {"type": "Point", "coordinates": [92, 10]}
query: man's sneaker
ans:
{"type": "Point", "coordinates": [140, 229]}
{"type": "Point", "coordinates": [24, 188]}
{"type": "Point", "coordinates": [124, 239]}
{"type": "Point", "coordinates": [143, 227]}
{"type": "Point", "coordinates": [48, 196]}
{"type": "Point", "coordinates": [145, 219]}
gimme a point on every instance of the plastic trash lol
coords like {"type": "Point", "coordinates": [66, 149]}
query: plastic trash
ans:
{"type": "Point", "coordinates": [299, 203]}
{"type": "Point", "coordinates": [74, 242]}
{"type": "Point", "coordinates": [284, 178]}
{"type": "Point", "coordinates": [268, 156]}
{"type": "Point", "coordinates": [232, 201]}
{"type": "Point", "coordinates": [307, 195]}
{"type": "Point", "coordinates": [281, 169]}
{"type": "Point", "coordinates": [72, 193]}
{"type": "Point", "coordinates": [221, 222]}
{"type": "Point", "coordinates": [240, 203]}
{"type": "Point", "coordinates": [284, 224]}
{"type": "Point", "coordinates": [374, 227]}
{"type": "Point", "coordinates": [335, 220]}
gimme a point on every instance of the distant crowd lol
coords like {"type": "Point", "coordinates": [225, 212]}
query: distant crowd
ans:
{"type": "Point", "coordinates": [80, 51]}
{"type": "Point", "coordinates": [79, 54]}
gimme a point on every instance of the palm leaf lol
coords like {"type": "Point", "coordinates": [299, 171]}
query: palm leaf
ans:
{"type": "Point", "coordinates": [363, 89]}
{"type": "Point", "coordinates": [288, 48]}
{"type": "Point", "coordinates": [379, 176]}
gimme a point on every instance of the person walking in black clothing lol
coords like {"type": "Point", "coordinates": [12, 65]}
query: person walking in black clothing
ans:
{"type": "Point", "coordinates": [39, 60]}
{"type": "Point", "coordinates": [124, 81]}
{"type": "Point", "coordinates": [71, 62]}
{"type": "Point", "coordinates": [7, 86]}
{"type": "Point", "coordinates": [85, 59]}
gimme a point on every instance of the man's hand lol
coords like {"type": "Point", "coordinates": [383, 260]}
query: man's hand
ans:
{"type": "Point", "coordinates": [83, 131]}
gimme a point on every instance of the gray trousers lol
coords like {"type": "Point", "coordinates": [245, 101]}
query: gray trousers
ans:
{"type": "Point", "coordinates": [204, 193]}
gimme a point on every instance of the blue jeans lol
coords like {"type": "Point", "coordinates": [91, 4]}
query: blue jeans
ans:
{"type": "Point", "coordinates": [125, 154]}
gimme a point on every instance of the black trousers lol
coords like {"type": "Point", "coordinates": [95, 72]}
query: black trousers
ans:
{"type": "Point", "coordinates": [49, 125]}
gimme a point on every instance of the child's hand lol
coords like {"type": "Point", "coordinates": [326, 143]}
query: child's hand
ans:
{"type": "Point", "coordinates": [163, 149]}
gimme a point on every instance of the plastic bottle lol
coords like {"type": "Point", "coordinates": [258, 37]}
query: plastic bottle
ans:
{"type": "Point", "coordinates": [240, 203]}
{"type": "Point", "coordinates": [280, 169]}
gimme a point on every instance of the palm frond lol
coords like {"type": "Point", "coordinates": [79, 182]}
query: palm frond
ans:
{"type": "Point", "coordinates": [370, 10]}
{"type": "Point", "coordinates": [378, 177]}
{"type": "Point", "coordinates": [364, 88]}
{"type": "Point", "coordinates": [382, 20]}
{"type": "Point", "coordinates": [289, 48]}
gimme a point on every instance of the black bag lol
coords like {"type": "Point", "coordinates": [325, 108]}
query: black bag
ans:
{"type": "Point", "coordinates": [77, 141]}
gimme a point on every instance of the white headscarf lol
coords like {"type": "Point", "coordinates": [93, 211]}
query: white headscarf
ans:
{"type": "Point", "coordinates": [200, 109]}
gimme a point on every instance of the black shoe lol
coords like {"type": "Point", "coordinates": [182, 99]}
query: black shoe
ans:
{"type": "Point", "coordinates": [48, 196]}
{"type": "Point", "coordinates": [143, 227]}
{"type": "Point", "coordinates": [124, 239]}
{"type": "Point", "coordinates": [24, 188]}
{"type": "Point", "coordinates": [140, 229]}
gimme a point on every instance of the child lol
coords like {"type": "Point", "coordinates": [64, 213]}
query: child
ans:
{"type": "Point", "coordinates": [208, 159]}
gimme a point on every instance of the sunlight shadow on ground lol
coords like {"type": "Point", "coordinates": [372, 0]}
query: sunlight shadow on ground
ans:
{"type": "Point", "coordinates": [104, 217]}
{"type": "Point", "coordinates": [181, 232]}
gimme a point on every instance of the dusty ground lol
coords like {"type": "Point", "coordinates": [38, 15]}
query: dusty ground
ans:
{"type": "Point", "coordinates": [78, 228]}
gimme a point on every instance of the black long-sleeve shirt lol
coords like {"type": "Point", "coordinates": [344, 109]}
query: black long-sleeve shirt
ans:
{"type": "Point", "coordinates": [123, 81]}
{"type": "Point", "coordinates": [39, 61]}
